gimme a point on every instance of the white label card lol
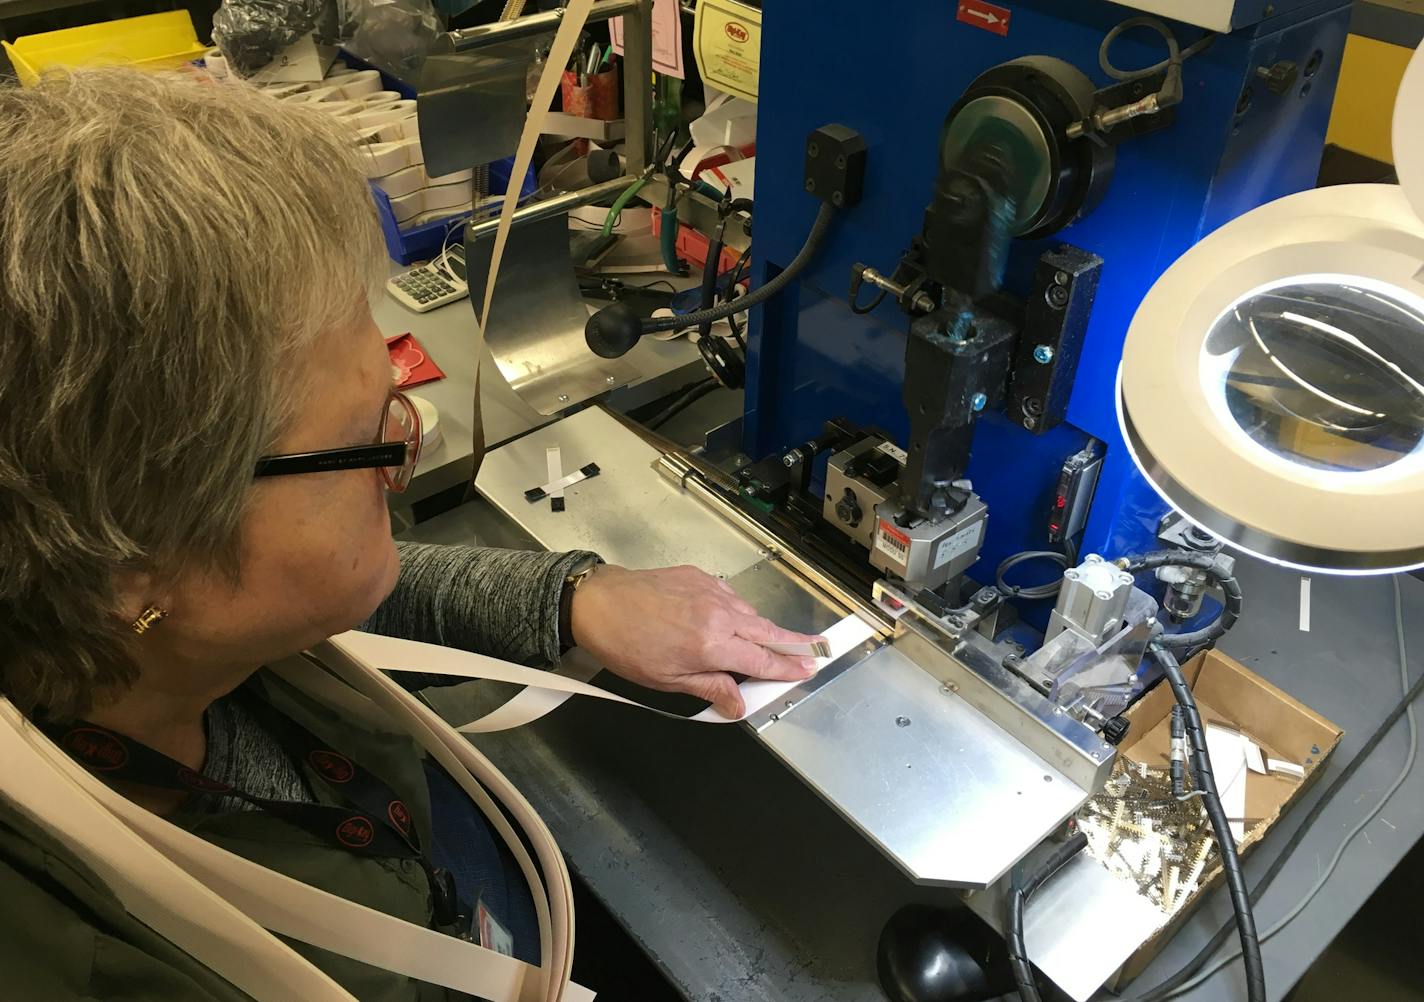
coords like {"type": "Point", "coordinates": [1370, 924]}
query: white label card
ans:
{"type": "Point", "coordinates": [894, 451]}
{"type": "Point", "coordinates": [959, 543]}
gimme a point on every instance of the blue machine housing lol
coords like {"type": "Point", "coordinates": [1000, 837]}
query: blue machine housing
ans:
{"type": "Point", "coordinates": [893, 75]}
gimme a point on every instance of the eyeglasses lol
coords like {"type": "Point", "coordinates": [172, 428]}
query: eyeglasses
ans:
{"type": "Point", "coordinates": [395, 451]}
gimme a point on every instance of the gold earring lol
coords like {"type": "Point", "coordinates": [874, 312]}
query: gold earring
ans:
{"type": "Point", "coordinates": [148, 619]}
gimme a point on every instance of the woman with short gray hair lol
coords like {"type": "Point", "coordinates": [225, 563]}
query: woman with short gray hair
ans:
{"type": "Point", "coordinates": [199, 434]}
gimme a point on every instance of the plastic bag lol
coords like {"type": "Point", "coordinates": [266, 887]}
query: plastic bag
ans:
{"type": "Point", "coordinates": [393, 35]}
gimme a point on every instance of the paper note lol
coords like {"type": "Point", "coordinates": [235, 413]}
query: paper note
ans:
{"type": "Point", "coordinates": [1255, 761]}
{"type": "Point", "coordinates": [667, 38]}
{"type": "Point", "coordinates": [727, 45]}
{"type": "Point", "coordinates": [1227, 751]}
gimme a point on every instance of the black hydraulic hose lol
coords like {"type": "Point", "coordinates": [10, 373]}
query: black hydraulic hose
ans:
{"type": "Point", "coordinates": [1189, 970]}
{"type": "Point", "coordinates": [1014, 914]}
{"type": "Point", "coordinates": [681, 404]}
{"type": "Point", "coordinates": [1230, 588]}
{"type": "Point", "coordinates": [757, 295]}
{"type": "Point", "coordinates": [1221, 827]}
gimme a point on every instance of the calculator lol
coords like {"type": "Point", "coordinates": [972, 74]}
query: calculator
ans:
{"type": "Point", "coordinates": [428, 286]}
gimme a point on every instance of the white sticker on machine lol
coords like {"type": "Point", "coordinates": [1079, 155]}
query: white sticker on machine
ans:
{"type": "Point", "coordinates": [893, 451]}
{"type": "Point", "coordinates": [960, 543]}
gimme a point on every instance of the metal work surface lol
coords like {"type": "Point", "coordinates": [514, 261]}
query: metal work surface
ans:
{"type": "Point", "coordinates": [627, 513]}
{"type": "Point", "coordinates": [744, 886]}
{"type": "Point", "coordinates": [937, 784]}
{"type": "Point", "coordinates": [930, 779]}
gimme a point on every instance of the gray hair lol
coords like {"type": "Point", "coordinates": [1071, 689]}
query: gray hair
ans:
{"type": "Point", "coordinates": [166, 245]}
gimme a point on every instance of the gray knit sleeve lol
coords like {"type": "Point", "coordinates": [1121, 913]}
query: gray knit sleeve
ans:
{"type": "Point", "coordinates": [504, 603]}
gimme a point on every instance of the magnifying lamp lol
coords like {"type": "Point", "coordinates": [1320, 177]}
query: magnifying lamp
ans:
{"type": "Point", "coordinates": [1272, 381]}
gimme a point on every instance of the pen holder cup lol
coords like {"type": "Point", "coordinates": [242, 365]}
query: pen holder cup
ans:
{"type": "Point", "coordinates": [598, 98]}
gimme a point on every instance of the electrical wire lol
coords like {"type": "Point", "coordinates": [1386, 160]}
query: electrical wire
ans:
{"type": "Point", "coordinates": [762, 292]}
{"type": "Point", "coordinates": [681, 404]}
{"type": "Point", "coordinates": [1014, 914]}
{"type": "Point", "coordinates": [1208, 562]}
{"type": "Point", "coordinates": [1066, 559]}
{"type": "Point", "coordinates": [1221, 826]}
{"type": "Point", "coordinates": [1324, 878]}
{"type": "Point", "coordinates": [1176, 55]}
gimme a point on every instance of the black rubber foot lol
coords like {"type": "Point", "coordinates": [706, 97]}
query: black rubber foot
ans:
{"type": "Point", "coordinates": [939, 955]}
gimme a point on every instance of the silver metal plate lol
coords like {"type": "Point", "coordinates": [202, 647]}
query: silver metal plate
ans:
{"type": "Point", "coordinates": [628, 514]}
{"type": "Point", "coordinates": [536, 322]}
{"type": "Point", "coordinates": [939, 788]}
{"type": "Point", "coordinates": [1081, 926]}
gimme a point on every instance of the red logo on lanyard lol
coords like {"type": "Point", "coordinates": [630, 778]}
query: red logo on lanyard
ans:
{"type": "Point", "coordinates": [355, 832]}
{"type": "Point", "coordinates": [99, 751]}
{"type": "Point", "coordinates": [988, 16]}
{"type": "Point", "coordinates": [334, 767]}
{"type": "Point", "coordinates": [400, 816]}
{"type": "Point", "coordinates": [197, 781]}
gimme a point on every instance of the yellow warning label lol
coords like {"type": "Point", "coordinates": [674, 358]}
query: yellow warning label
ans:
{"type": "Point", "coordinates": [727, 46]}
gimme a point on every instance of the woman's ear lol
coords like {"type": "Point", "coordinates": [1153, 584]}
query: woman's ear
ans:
{"type": "Point", "coordinates": [133, 594]}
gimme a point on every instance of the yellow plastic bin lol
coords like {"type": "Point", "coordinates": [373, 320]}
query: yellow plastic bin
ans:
{"type": "Point", "coordinates": [154, 41]}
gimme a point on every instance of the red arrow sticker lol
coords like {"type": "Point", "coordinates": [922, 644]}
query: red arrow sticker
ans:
{"type": "Point", "coordinates": [988, 16]}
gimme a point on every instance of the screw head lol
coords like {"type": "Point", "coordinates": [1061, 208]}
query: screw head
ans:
{"type": "Point", "coordinates": [1043, 354]}
{"type": "Point", "coordinates": [1057, 296]}
{"type": "Point", "coordinates": [609, 380]}
{"type": "Point", "coordinates": [813, 149]}
{"type": "Point", "coordinates": [563, 398]}
{"type": "Point", "coordinates": [810, 184]}
{"type": "Point", "coordinates": [978, 401]}
{"type": "Point", "coordinates": [902, 721]}
{"type": "Point", "coordinates": [790, 703]}
{"type": "Point", "coordinates": [837, 198]}
{"type": "Point", "coordinates": [840, 161]}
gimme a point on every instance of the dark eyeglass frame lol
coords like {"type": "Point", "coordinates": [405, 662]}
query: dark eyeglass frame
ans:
{"type": "Point", "coordinates": [381, 455]}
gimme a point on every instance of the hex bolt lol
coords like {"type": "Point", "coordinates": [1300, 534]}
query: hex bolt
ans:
{"type": "Point", "coordinates": [1042, 354]}
{"type": "Point", "coordinates": [978, 401]}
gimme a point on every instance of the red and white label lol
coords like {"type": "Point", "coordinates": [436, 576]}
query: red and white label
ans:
{"type": "Point", "coordinates": [988, 16]}
{"type": "Point", "coordinates": [892, 541]}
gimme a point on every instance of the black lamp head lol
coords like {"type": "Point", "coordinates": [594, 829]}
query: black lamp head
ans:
{"type": "Point", "coordinates": [613, 331]}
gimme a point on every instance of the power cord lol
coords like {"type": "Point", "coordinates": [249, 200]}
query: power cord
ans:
{"type": "Point", "coordinates": [1171, 92]}
{"type": "Point", "coordinates": [1173, 987]}
{"type": "Point", "coordinates": [1066, 559]}
{"type": "Point", "coordinates": [1220, 825]}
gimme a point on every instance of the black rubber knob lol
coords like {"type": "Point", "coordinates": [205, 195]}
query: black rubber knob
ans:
{"type": "Point", "coordinates": [613, 330]}
{"type": "Point", "coordinates": [1115, 730]}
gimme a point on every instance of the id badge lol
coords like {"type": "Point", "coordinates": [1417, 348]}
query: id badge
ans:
{"type": "Point", "coordinates": [489, 933]}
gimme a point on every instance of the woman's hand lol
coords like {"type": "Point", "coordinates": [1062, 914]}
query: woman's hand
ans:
{"type": "Point", "coordinates": [680, 630]}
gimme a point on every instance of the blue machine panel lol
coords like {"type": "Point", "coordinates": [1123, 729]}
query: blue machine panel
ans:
{"type": "Point", "coordinates": [893, 77]}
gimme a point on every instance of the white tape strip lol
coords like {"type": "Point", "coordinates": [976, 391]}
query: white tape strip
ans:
{"type": "Point", "coordinates": [1305, 605]}
{"type": "Point", "coordinates": [554, 468]}
{"type": "Point", "coordinates": [392, 654]}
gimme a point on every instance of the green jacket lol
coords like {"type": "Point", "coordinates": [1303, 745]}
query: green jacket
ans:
{"type": "Point", "coordinates": [64, 936]}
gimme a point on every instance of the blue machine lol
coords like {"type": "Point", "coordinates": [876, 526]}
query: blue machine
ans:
{"type": "Point", "coordinates": [892, 75]}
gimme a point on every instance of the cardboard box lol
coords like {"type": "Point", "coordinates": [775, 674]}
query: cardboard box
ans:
{"type": "Point", "coordinates": [1227, 693]}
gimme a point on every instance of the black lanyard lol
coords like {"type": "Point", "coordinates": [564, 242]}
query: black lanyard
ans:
{"type": "Point", "coordinates": [372, 821]}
